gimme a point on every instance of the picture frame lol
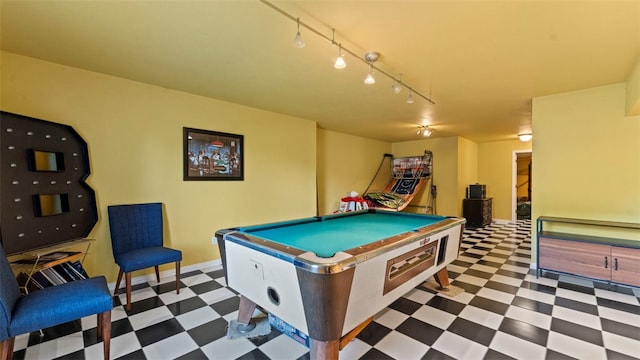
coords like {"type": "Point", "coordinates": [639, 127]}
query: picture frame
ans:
{"type": "Point", "coordinates": [212, 155]}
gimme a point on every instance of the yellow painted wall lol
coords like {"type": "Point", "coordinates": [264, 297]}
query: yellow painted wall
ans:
{"type": "Point", "coordinates": [345, 163]}
{"type": "Point", "coordinates": [632, 101]}
{"type": "Point", "coordinates": [445, 169]}
{"type": "Point", "coordinates": [467, 168]}
{"type": "Point", "coordinates": [586, 157]}
{"type": "Point", "coordinates": [495, 169]}
{"type": "Point", "coordinates": [134, 132]}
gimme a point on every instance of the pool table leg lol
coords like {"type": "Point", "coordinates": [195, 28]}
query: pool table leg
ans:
{"type": "Point", "coordinates": [442, 278]}
{"type": "Point", "coordinates": [324, 350]}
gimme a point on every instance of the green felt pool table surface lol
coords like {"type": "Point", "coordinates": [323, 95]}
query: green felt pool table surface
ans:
{"type": "Point", "coordinates": [326, 235]}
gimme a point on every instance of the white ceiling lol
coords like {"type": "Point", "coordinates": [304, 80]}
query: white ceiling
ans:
{"type": "Point", "coordinates": [480, 61]}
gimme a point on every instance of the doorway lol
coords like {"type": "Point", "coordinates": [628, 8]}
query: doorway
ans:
{"type": "Point", "coordinates": [521, 196]}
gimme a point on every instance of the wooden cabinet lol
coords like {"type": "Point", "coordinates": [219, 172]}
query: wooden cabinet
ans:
{"type": "Point", "coordinates": [610, 259]}
{"type": "Point", "coordinates": [477, 212]}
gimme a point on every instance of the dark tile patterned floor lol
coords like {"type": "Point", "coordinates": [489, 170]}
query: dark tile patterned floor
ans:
{"type": "Point", "coordinates": [505, 312]}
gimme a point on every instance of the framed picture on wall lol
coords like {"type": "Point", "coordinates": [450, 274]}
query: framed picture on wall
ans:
{"type": "Point", "coordinates": [212, 155]}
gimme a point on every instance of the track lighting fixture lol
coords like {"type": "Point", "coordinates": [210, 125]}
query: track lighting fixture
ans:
{"type": "Point", "coordinates": [396, 88]}
{"type": "Point", "coordinates": [424, 131]}
{"type": "Point", "coordinates": [298, 40]}
{"type": "Point", "coordinates": [340, 63]}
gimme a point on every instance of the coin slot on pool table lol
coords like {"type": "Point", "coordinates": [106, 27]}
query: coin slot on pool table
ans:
{"type": "Point", "coordinates": [406, 266]}
{"type": "Point", "coordinates": [273, 296]}
{"type": "Point", "coordinates": [442, 251]}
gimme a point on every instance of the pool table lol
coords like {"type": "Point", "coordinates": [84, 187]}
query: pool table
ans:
{"type": "Point", "coordinates": [327, 276]}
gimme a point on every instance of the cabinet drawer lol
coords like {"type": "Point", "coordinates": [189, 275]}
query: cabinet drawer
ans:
{"type": "Point", "coordinates": [586, 259]}
{"type": "Point", "coordinates": [626, 265]}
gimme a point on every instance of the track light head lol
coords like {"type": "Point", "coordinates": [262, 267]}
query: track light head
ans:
{"type": "Point", "coordinates": [370, 79]}
{"type": "Point", "coordinates": [371, 57]}
{"type": "Point", "coordinates": [298, 42]}
{"type": "Point", "coordinates": [396, 88]}
{"type": "Point", "coordinates": [340, 64]}
{"type": "Point", "coordinates": [410, 98]}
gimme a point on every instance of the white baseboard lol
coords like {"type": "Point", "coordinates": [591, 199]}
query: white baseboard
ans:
{"type": "Point", "coordinates": [501, 221]}
{"type": "Point", "coordinates": [212, 265]}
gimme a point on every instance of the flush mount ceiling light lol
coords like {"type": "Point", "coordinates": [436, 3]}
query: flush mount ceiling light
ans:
{"type": "Point", "coordinates": [424, 131]}
{"type": "Point", "coordinates": [525, 137]}
{"type": "Point", "coordinates": [398, 84]}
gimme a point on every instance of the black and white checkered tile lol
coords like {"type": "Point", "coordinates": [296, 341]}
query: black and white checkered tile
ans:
{"type": "Point", "coordinates": [505, 312]}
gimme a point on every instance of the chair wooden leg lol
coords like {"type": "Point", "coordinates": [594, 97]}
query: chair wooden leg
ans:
{"type": "Point", "coordinates": [127, 280]}
{"type": "Point", "coordinates": [115, 291]}
{"type": "Point", "coordinates": [7, 348]}
{"type": "Point", "coordinates": [177, 277]}
{"type": "Point", "coordinates": [157, 275]}
{"type": "Point", "coordinates": [105, 321]}
{"type": "Point", "coordinates": [99, 326]}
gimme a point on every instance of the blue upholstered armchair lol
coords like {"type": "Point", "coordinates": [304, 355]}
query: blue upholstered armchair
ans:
{"type": "Point", "coordinates": [137, 241]}
{"type": "Point", "coordinates": [21, 314]}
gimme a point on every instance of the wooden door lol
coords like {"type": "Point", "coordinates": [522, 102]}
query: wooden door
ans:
{"type": "Point", "coordinates": [626, 265]}
{"type": "Point", "coordinates": [575, 257]}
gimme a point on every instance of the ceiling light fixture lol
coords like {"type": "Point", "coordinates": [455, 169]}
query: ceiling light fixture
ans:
{"type": "Point", "coordinates": [340, 64]}
{"type": "Point", "coordinates": [525, 137]}
{"type": "Point", "coordinates": [370, 79]}
{"type": "Point", "coordinates": [371, 57]}
{"type": "Point", "coordinates": [425, 131]}
{"type": "Point", "coordinates": [396, 88]}
{"type": "Point", "coordinates": [299, 41]}
{"type": "Point", "coordinates": [410, 98]}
